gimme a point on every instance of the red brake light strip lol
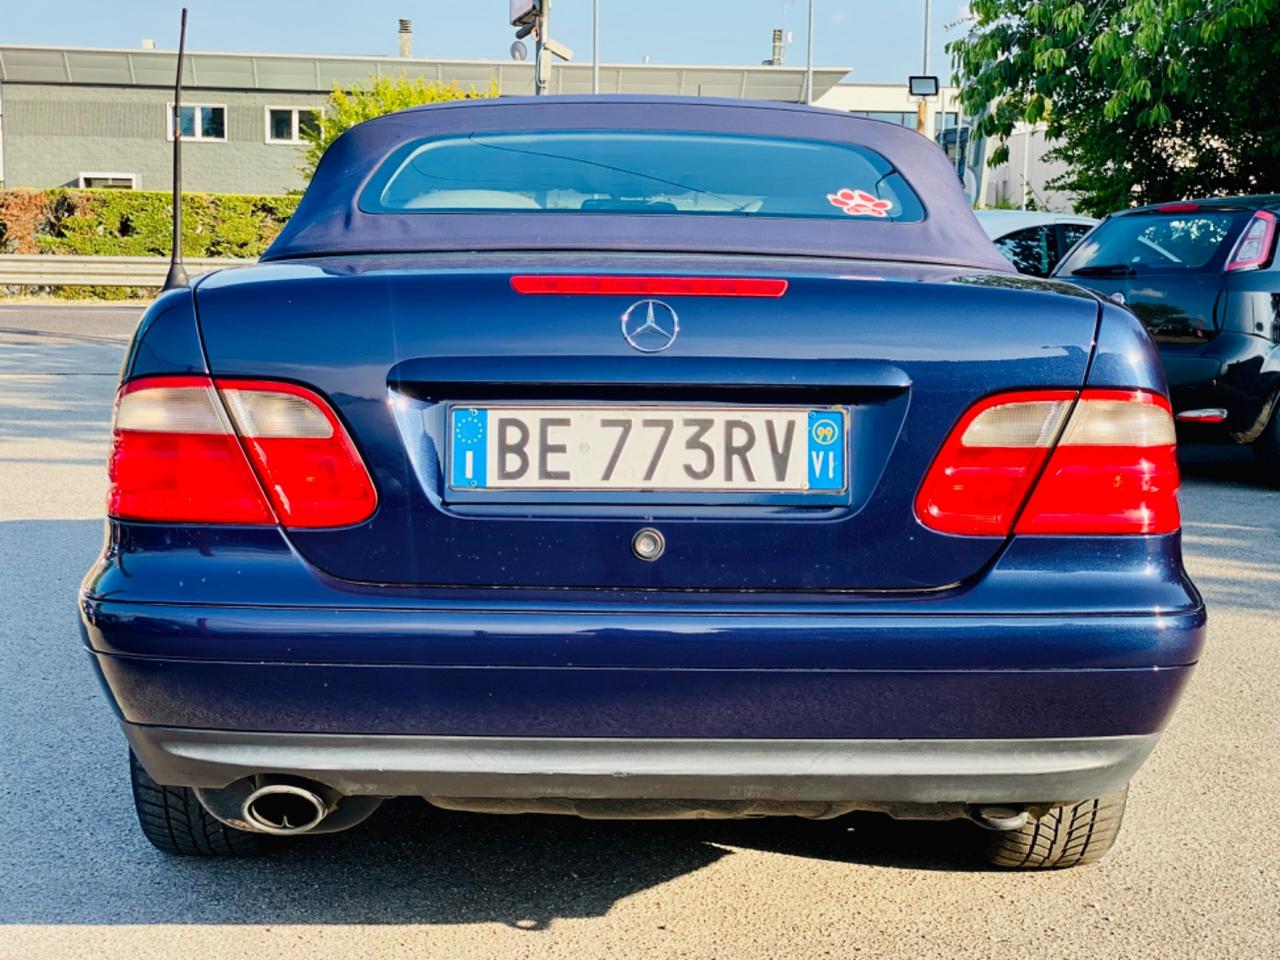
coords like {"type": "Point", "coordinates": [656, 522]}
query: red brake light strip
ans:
{"type": "Point", "coordinates": [598, 285]}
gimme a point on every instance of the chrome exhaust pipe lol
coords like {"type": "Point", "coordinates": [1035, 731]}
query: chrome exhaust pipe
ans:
{"type": "Point", "coordinates": [286, 809]}
{"type": "Point", "coordinates": [1000, 819]}
{"type": "Point", "coordinates": [285, 806]}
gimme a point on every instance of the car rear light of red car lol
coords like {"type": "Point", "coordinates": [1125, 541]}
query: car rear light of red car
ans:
{"type": "Point", "coordinates": [1047, 462]}
{"type": "Point", "coordinates": [1253, 249]}
{"type": "Point", "coordinates": [262, 450]}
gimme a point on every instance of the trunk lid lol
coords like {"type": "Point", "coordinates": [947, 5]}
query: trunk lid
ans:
{"type": "Point", "coordinates": [1175, 308]}
{"type": "Point", "coordinates": [398, 343]}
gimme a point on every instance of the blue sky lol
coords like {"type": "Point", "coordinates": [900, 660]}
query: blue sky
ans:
{"type": "Point", "coordinates": [881, 41]}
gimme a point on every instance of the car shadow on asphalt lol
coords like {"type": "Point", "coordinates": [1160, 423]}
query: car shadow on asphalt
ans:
{"type": "Point", "coordinates": [413, 864]}
{"type": "Point", "coordinates": [1230, 527]}
{"type": "Point", "coordinates": [1222, 463]}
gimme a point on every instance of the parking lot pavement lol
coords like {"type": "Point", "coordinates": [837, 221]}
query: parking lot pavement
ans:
{"type": "Point", "coordinates": [1196, 873]}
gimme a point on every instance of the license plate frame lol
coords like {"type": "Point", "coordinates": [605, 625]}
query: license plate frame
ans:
{"type": "Point", "coordinates": [836, 493]}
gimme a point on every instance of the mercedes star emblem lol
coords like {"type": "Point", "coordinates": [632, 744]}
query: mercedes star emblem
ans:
{"type": "Point", "coordinates": [650, 325]}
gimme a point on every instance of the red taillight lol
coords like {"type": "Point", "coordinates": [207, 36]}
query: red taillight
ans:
{"type": "Point", "coordinates": [175, 457]}
{"type": "Point", "coordinates": [1253, 249]}
{"type": "Point", "coordinates": [1112, 470]}
{"type": "Point", "coordinates": [650, 286]}
{"type": "Point", "coordinates": [178, 457]}
{"type": "Point", "coordinates": [307, 463]}
{"type": "Point", "coordinates": [1184, 207]}
{"type": "Point", "coordinates": [981, 476]}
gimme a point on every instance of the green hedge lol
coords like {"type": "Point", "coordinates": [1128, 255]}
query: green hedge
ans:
{"type": "Point", "coordinates": [136, 223]}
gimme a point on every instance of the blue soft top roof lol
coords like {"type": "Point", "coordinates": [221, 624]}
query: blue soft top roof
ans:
{"type": "Point", "coordinates": [329, 220]}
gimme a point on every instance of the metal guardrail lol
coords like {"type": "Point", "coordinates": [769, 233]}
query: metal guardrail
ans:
{"type": "Point", "coordinates": [55, 270]}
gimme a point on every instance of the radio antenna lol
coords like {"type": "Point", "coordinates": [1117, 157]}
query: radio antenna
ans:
{"type": "Point", "coordinates": [177, 276]}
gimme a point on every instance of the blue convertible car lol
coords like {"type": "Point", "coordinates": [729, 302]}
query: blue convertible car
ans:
{"type": "Point", "coordinates": [639, 457]}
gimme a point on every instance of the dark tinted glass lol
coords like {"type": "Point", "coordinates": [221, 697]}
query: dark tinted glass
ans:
{"type": "Point", "coordinates": [1072, 232]}
{"type": "Point", "coordinates": [1030, 250]}
{"type": "Point", "coordinates": [1157, 243]}
{"type": "Point", "coordinates": [281, 124]}
{"type": "Point", "coordinates": [213, 123]}
{"type": "Point", "coordinates": [642, 173]}
{"type": "Point", "coordinates": [308, 122]}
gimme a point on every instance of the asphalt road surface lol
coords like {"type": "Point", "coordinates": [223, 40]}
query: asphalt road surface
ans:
{"type": "Point", "coordinates": [1196, 872]}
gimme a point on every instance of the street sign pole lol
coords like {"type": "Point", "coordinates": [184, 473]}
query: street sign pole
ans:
{"type": "Point", "coordinates": [541, 64]}
{"type": "Point", "coordinates": [534, 17]}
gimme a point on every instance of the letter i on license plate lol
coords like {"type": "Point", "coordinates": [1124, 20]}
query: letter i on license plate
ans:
{"type": "Point", "coordinates": [655, 448]}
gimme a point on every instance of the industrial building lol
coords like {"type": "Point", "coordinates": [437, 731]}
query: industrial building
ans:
{"type": "Point", "coordinates": [103, 118]}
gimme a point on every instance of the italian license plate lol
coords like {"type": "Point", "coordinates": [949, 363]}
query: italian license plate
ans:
{"type": "Point", "coordinates": [664, 448]}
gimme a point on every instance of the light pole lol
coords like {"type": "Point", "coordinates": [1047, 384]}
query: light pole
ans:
{"type": "Point", "coordinates": [922, 109]}
{"type": "Point", "coordinates": [808, 64]}
{"type": "Point", "coordinates": [928, 16]}
{"type": "Point", "coordinates": [595, 46]}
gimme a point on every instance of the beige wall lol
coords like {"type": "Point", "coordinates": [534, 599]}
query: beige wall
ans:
{"type": "Point", "coordinates": [881, 96]}
{"type": "Point", "coordinates": [1027, 148]}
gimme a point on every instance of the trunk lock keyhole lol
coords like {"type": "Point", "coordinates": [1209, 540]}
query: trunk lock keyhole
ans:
{"type": "Point", "coordinates": [648, 544]}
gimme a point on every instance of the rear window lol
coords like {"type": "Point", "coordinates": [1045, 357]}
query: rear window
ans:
{"type": "Point", "coordinates": [1156, 243]}
{"type": "Point", "coordinates": [623, 172]}
{"type": "Point", "coordinates": [1029, 249]}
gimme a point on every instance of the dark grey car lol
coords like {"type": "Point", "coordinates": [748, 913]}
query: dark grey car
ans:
{"type": "Point", "coordinates": [1204, 279]}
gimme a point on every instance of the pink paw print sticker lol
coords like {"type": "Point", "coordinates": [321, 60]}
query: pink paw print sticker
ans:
{"type": "Point", "coordinates": [859, 203]}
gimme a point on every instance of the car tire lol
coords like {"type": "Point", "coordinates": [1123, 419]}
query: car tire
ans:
{"type": "Point", "coordinates": [176, 822]}
{"type": "Point", "coordinates": [1065, 836]}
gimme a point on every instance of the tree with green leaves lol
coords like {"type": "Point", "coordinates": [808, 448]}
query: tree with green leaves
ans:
{"type": "Point", "coordinates": [1146, 100]}
{"type": "Point", "coordinates": [381, 95]}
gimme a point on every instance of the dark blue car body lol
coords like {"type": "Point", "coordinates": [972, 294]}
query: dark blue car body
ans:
{"type": "Point", "coordinates": [836, 652]}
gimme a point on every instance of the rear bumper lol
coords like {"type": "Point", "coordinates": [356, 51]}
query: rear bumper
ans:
{"type": "Point", "coordinates": [1052, 673]}
{"type": "Point", "coordinates": [551, 670]}
{"type": "Point", "coordinates": [871, 773]}
{"type": "Point", "coordinates": [1237, 372]}
{"type": "Point", "coordinates": [641, 703]}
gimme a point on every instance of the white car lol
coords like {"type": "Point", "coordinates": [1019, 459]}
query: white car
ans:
{"type": "Point", "coordinates": [1031, 240]}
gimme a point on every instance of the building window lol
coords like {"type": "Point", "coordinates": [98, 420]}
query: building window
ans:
{"type": "Point", "coordinates": [108, 181]}
{"type": "Point", "coordinates": [290, 124]}
{"type": "Point", "coordinates": [199, 121]}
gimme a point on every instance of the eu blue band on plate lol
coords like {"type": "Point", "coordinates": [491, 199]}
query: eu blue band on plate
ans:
{"type": "Point", "coordinates": [468, 462]}
{"type": "Point", "coordinates": [826, 450]}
